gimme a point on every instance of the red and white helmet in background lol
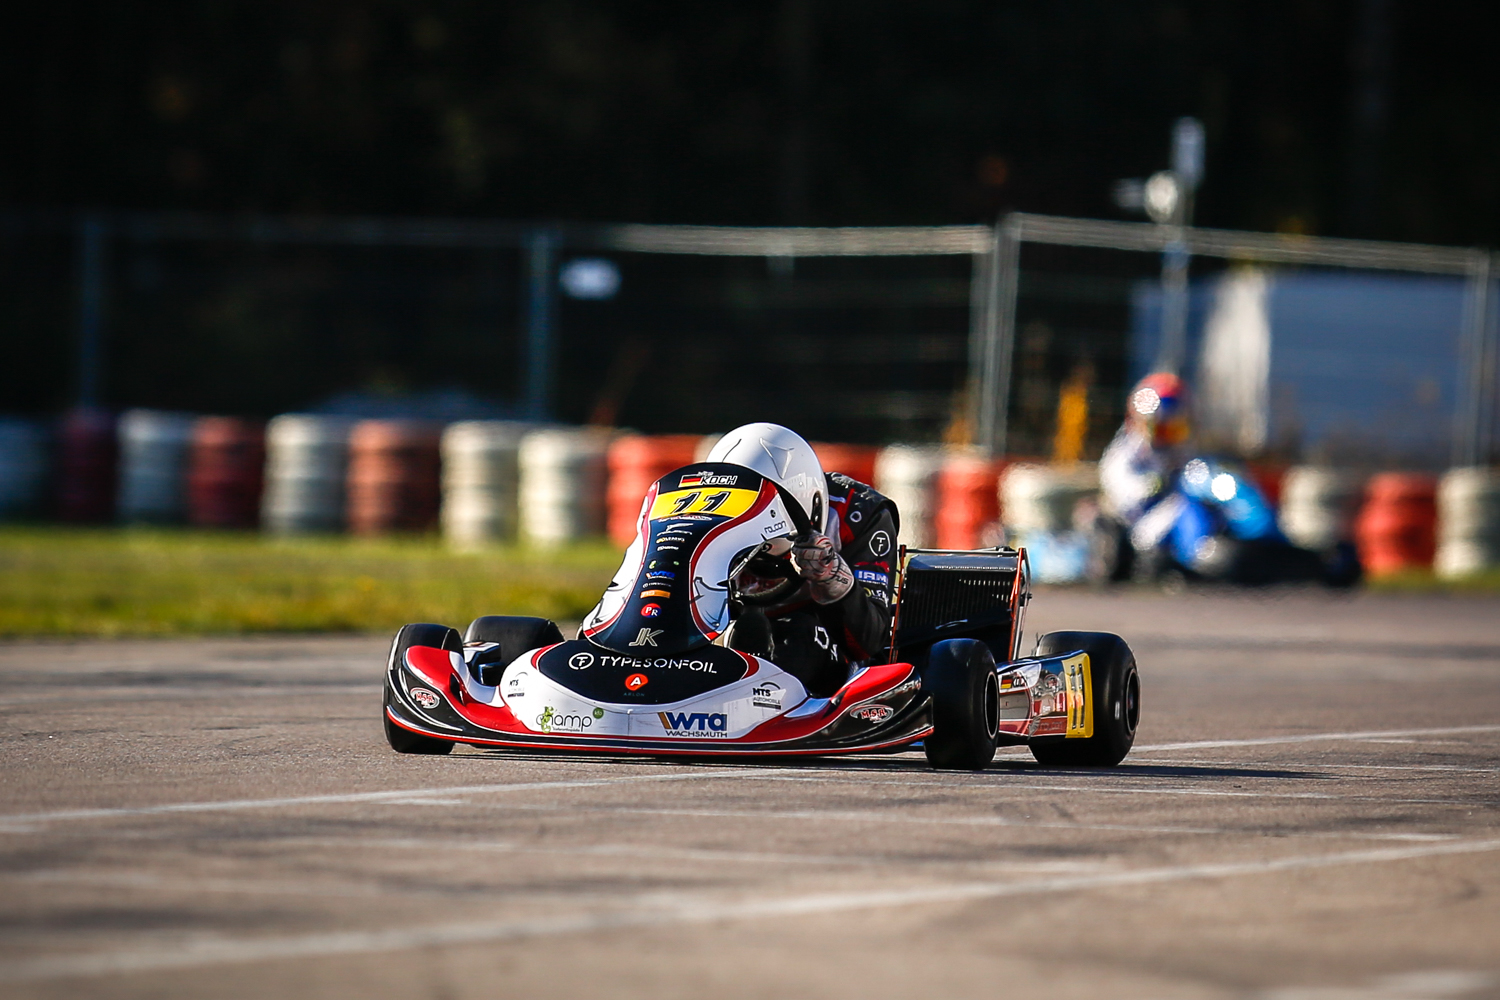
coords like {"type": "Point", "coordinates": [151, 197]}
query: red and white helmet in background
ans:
{"type": "Point", "coordinates": [782, 456]}
{"type": "Point", "coordinates": [1158, 409]}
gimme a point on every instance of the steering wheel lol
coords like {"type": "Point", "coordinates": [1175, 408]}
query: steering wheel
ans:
{"type": "Point", "coordinates": [765, 564]}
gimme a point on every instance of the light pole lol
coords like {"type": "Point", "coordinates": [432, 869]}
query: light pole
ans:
{"type": "Point", "coordinates": [1173, 206]}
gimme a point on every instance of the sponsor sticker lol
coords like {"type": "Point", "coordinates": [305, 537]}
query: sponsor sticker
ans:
{"type": "Point", "coordinates": [767, 695]}
{"type": "Point", "coordinates": [551, 720]}
{"type": "Point", "coordinates": [636, 681]}
{"type": "Point", "coordinates": [655, 593]}
{"type": "Point", "coordinates": [703, 501]}
{"type": "Point", "coordinates": [880, 543]}
{"type": "Point", "coordinates": [870, 576]}
{"type": "Point", "coordinates": [872, 714]}
{"type": "Point", "coordinates": [581, 661]}
{"type": "Point", "coordinates": [646, 637]}
{"type": "Point", "coordinates": [659, 663]}
{"type": "Point", "coordinates": [661, 574]}
{"type": "Point", "coordinates": [1080, 706]}
{"type": "Point", "coordinates": [651, 610]}
{"type": "Point", "coordinates": [1053, 726]}
{"type": "Point", "coordinates": [707, 479]}
{"type": "Point", "coordinates": [425, 698]}
{"type": "Point", "coordinates": [713, 725]}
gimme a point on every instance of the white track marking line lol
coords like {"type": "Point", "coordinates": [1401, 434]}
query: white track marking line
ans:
{"type": "Point", "coordinates": [422, 795]}
{"type": "Point", "coordinates": [1314, 738]}
{"type": "Point", "coordinates": [355, 797]}
{"type": "Point", "coordinates": [870, 816]}
{"type": "Point", "coordinates": [659, 853]}
{"type": "Point", "coordinates": [1315, 766]}
{"type": "Point", "coordinates": [864, 816]}
{"type": "Point", "coordinates": [196, 886]}
{"type": "Point", "coordinates": [656, 910]}
{"type": "Point", "coordinates": [1019, 784]}
{"type": "Point", "coordinates": [141, 692]}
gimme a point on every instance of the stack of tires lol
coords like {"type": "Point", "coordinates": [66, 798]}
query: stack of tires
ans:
{"type": "Point", "coordinates": [87, 466]}
{"type": "Point", "coordinates": [25, 448]}
{"type": "Point", "coordinates": [635, 462]}
{"type": "Point", "coordinates": [393, 476]}
{"type": "Point", "coordinates": [307, 463]}
{"type": "Point", "coordinates": [856, 461]}
{"type": "Point", "coordinates": [1397, 528]}
{"type": "Point", "coordinates": [968, 514]}
{"type": "Point", "coordinates": [481, 481]}
{"type": "Point", "coordinates": [562, 485]}
{"type": "Point", "coordinates": [1318, 505]}
{"type": "Point", "coordinates": [154, 449]}
{"type": "Point", "coordinates": [1040, 508]}
{"type": "Point", "coordinates": [1468, 501]}
{"type": "Point", "coordinates": [908, 474]}
{"type": "Point", "coordinates": [225, 472]}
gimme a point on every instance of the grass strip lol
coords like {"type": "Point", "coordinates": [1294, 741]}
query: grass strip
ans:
{"type": "Point", "coordinates": [58, 581]}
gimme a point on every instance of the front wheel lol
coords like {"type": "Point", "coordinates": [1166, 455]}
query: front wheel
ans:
{"type": "Point", "coordinates": [441, 637]}
{"type": "Point", "coordinates": [1116, 692]}
{"type": "Point", "coordinates": [965, 690]}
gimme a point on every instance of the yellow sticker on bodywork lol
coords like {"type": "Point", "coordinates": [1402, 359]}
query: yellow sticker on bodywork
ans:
{"type": "Point", "coordinates": [725, 502]}
{"type": "Point", "coordinates": [1076, 671]}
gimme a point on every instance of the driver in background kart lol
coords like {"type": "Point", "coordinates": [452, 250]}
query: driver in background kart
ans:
{"type": "Point", "coordinates": [834, 611]}
{"type": "Point", "coordinates": [1135, 472]}
{"type": "Point", "coordinates": [1138, 464]}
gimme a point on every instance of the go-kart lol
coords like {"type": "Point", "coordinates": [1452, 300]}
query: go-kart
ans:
{"type": "Point", "coordinates": [654, 670]}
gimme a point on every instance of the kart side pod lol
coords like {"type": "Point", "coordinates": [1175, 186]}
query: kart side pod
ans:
{"type": "Point", "coordinates": [1050, 696]}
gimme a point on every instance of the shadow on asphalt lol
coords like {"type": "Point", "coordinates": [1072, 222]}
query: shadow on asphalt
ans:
{"type": "Point", "coordinates": [906, 765]}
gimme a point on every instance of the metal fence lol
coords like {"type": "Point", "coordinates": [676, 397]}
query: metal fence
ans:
{"type": "Point", "coordinates": [1475, 375]}
{"type": "Point", "coordinates": [550, 353]}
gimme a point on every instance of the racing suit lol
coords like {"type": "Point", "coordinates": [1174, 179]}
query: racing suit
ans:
{"type": "Point", "coordinates": [1131, 474]}
{"type": "Point", "coordinates": [821, 630]}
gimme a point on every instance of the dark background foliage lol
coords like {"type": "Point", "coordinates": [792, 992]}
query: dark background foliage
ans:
{"type": "Point", "coordinates": [1341, 117]}
{"type": "Point", "coordinates": [1367, 117]}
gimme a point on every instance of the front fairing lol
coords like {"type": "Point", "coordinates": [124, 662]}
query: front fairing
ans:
{"type": "Point", "coordinates": [671, 592]}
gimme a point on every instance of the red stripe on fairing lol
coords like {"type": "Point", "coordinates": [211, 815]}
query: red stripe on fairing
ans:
{"type": "Point", "coordinates": [430, 664]}
{"type": "Point", "coordinates": [705, 748]}
{"type": "Point", "coordinates": [874, 682]}
{"type": "Point", "coordinates": [499, 717]}
{"type": "Point", "coordinates": [642, 519]}
{"type": "Point", "coordinates": [768, 493]}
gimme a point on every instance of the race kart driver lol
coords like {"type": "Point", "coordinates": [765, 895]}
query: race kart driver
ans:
{"type": "Point", "coordinates": [831, 608]}
{"type": "Point", "coordinates": [1138, 464]}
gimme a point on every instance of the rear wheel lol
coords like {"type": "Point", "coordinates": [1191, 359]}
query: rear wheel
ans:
{"type": "Point", "coordinates": [960, 678]}
{"type": "Point", "coordinates": [421, 634]}
{"type": "Point", "coordinates": [1116, 693]}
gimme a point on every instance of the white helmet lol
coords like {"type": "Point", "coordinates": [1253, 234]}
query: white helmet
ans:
{"type": "Point", "coordinates": [783, 457]}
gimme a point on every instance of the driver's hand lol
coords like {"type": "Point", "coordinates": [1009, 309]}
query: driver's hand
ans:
{"type": "Point", "coordinates": [824, 569]}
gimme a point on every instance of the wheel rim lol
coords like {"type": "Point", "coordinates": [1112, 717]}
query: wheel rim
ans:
{"type": "Point", "coordinates": [991, 705]}
{"type": "Point", "coordinates": [1132, 700]}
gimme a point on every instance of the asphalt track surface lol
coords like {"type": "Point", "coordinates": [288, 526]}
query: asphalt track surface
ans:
{"type": "Point", "coordinates": [1312, 811]}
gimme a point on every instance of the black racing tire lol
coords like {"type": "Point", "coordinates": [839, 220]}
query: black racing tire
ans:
{"type": "Point", "coordinates": [513, 636]}
{"type": "Point", "coordinates": [965, 690]}
{"type": "Point", "coordinates": [420, 634]}
{"type": "Point", "coordinates": [1116, 693]}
